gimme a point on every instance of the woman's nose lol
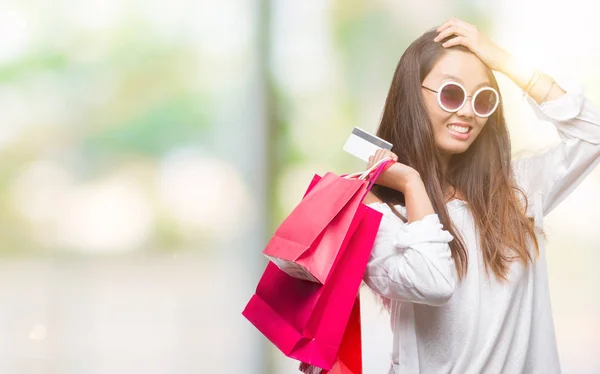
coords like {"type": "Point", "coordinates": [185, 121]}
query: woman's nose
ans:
{"type": "Point", "coordinates": [467, 109]}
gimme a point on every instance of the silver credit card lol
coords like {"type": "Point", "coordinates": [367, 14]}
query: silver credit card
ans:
{"type": "Point", "coordinates": [361, 144]}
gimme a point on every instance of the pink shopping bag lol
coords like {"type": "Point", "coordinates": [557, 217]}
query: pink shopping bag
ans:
{"type": "Point", "coordinates": [309, 240]}
{"type": "Point", "coordinates": [307, 320]}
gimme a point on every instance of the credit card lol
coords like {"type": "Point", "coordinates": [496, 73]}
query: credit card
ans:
{"type": "Point", "coordinates": [361, 144]}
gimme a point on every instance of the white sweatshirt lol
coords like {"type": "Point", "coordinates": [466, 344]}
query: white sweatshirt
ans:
{"type": "Point", "coordinates": [481, 324]}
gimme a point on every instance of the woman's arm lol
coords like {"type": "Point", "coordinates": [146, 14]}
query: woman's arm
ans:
{"type": "Point", "coordinates": [555, 173]}
{"type": "Point", "coordinates": [406, 180]}
{"type": "Point", "coordinates": [538, 86]}
{"type": "Point", "coordinates": [409, 261]}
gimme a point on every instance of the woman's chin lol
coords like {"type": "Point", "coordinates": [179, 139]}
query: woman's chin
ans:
{"type": "Point", "coordinates": [454, 149]}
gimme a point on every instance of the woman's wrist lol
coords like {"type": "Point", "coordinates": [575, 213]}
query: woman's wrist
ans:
{"type": "Point", "coordinates": [410, 182]}
{"type": "Point", "coordinates": [539, 86]}
{"type": "Point", "coordinates": [519, 72]}
{"type": "Point", "coordinates": [418, 203]}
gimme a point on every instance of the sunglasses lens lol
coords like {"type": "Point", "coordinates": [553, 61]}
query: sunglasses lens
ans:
{"type": "Point", "coordinates": [485, 102]}
{"type": "Point", "coordinates": [452, 96]}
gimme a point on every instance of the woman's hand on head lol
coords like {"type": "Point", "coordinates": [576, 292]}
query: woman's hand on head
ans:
{"type": "Point", "coordinates": [467, 35]}
{"type": "Point", "coordinates": [397, 176]}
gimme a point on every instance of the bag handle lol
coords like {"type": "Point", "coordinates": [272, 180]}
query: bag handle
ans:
{"type": "Point", "coordinates": [370, 175]}
{"type": "Point", "coordinates": [362, 175]}
{"type": "Point", "coordinates": [384, 164]}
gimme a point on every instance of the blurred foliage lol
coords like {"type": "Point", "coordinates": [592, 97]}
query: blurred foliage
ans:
{"type": "Point", "coordinates": [123, 98]}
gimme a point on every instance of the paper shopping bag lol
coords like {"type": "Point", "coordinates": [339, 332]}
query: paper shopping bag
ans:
{"type": "Point", "coordinates": [308, 241]}
{"type": "Point", "coordinates": [349, 358]}
{"type": "Point", "coordinates": [306, 320]}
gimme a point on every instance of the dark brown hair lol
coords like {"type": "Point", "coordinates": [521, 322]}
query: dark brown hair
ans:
{"type": "Point", "coordinates": [482, 174]}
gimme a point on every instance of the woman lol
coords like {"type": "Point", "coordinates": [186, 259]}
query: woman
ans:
{"type": "Point", "coordinates": [459, 258]}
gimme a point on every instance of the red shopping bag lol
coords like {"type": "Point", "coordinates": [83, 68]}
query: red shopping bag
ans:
{"type": "Point", "coordinates": [349, 358]}
{"type": "Point", "coordinates": [308, 241]}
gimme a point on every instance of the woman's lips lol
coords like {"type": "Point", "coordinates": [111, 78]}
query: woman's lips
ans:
{"type": "Point", "coordinates": [460, 135]}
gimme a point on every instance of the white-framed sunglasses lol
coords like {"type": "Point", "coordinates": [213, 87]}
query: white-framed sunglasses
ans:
{"type": "Point", "coordinates": [452, 96]}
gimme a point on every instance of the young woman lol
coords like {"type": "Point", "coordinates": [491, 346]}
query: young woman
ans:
{"type": "Point", "coordinates": [459, 259]}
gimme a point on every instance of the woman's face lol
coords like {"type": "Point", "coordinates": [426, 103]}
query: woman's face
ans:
{"type": "Point", "coordinates": [449, 128]}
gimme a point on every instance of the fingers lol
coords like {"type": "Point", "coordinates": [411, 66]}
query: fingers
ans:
{"type": "Point", "coordinates": [380, 154]}
{"type": "Point", "coordinates": [374, 158]}
{"type": "Point", "coordinates": [383, 153]}
{"type": "Point", "coordinates": [464, 24]}
{"type": "Point", "coordinates": [445, 25]}
{"type": "Point", "coordinates": [462, 31]}
{"type": "Point", "coordinates": [457, 22]}
{"type": "Point", "coordinates": [449, 31]}
{"type": "Point", "coordinates": [459, 40]}
{"type": "Point", "coordinates": [457, 27]}
{"type": "Point", "coordinates": [456, 32]}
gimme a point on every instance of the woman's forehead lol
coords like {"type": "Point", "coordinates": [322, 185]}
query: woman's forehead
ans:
{"type": "Point", "coordinates": [463, 67]}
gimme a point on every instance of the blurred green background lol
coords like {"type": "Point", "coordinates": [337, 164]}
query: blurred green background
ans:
{"type": "Point", "coordinates": [149, 148]}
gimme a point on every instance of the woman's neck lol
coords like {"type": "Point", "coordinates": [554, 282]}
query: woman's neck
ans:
{"type": "Point", "coordinates": [450, 192]}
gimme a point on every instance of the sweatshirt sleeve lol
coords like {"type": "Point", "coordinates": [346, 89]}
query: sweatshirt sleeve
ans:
{"type": "Point", "coordinates": [411, 261]}
{"type": "Point", "coordinates": [554, 174]}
